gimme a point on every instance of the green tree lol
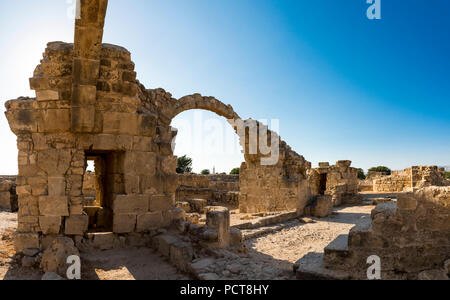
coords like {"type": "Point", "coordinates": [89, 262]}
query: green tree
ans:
{"type": "Point", "coordinates": [184, 165]}
{"type": "Point", "coordinates": [382, 169]}
{"type": "Point", "coordinates": [447, 175]}
{"type": "Point", "coordinates": [235, 171]}
{"type": "Point", "coordinates": [206, 172]}
{"type": "Point", "coordinates": [361, 174]}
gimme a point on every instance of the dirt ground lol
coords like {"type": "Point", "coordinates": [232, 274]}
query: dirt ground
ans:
{"type": "Point", "coordinates": [269, 257]}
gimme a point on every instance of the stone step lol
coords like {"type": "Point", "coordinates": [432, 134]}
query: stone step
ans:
{"type": "Point", "coordinates": [311, 267]}
{"type": "Point", "coordinates": [337, 252]}
{"type": "Point", "coordinates": [359, 233]}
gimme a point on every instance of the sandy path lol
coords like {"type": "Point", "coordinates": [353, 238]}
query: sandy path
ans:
{"type": "Point", "coordinates": [292, 243]}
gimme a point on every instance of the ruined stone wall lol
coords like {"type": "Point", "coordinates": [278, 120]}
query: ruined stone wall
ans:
{"type": "Point", "coordinates": [341, 182]}
{"type": "Point", "coordinates": [8, 196]}
{"type": "Point", "coordinates": [140, 179]}
{"type": "Point", "coordinates": [280, 187]}
{"type": "Point", "coordinates": [213, 188]}
{"type": "Point", "coordinates": [410, 236]}
{"type": "Point", "coordinates": [399, 181]}
{"type": "Point", "coordinates": [422, 176]}
{"type": "Point", "coordinates": [415, 177]}
{"type": "Point", "coordinates": [365, 185]}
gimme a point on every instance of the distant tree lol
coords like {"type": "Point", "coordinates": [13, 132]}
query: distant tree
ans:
{"type": "Point", "coordinates": [447, 175]}
{"type": "Point", "coordinates": [184, 165]}
{"type": "Point", "coordinates": [381, 169]}
{"type": "Point", "coordinates": [235, 171]}
{"type": "Point", "coordinates": [361, 174]}
{"type": "Point", "coordinates": [206, 172]}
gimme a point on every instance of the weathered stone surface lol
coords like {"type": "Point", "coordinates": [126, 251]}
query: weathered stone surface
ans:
{"type": "Point", "coordinates": [51, 276]}
{"type": "Point", "coordinates": [323, 206]}
{"type": "Point", "coordinates": [50, 225]}
{"type": "Point", "coordinates": [149, 221]}
{"type": "Point", "coordinates": [218, 218]}
{"type": "Point", "coordinates": [76, 225]}
{"type": "Point", "coordinates": [340, 181]}
{"type": "Point", "coordinates": [129, 204]}
{"type": "Point", "coordinates": [55, 257]}
{"type": "Point", "coordinates": [24, 241]}
{"type": "Point", "coordinates": [51, 206]}
{"type": "Point", "coordinates": [161, 203]}
{"type": "Point", "coordinates": [411, 237]}
{"type": "Point", "coordinates": [124, 223]}
{"type": "Point", "coordinates": [102, 241]}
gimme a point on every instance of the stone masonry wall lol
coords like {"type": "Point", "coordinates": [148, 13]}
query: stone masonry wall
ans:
{"type": "Point", "coordinates": [140, 174]}
{"type": "Point", "coordinates": [8, 196]}
{"type": "Point", "coordinates": [397, 182]}
{"type": "Point", "coordinates": [341, 182]}
{"type": "Point", "coordinates": [410, 236]}
{"type": "Point", "coordinates": [214, 188]}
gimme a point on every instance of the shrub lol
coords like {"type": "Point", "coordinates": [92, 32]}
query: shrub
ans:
{"type": "Point", "coordinates": [184, 165]}
{"type": "Point", "coordinates": [381, 169]}
{"type": "Point", "coordinates": [235, 171]}
{"type": "Point", "coordinates": [361, 174]}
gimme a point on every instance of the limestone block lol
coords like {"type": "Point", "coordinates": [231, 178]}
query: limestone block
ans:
{"type": "Point", "coordinates": [131, 184]}
{"type": "Point", "coordinates": [92, 13]}
{"type": "Point", "coordinates": [23, 121]}
{"type": "Point", "coordinates": [5, 200]}
{"type": "Point", "coordinates": [120, 123]}
{"type": "Point", "coordinates": [77, 225]}
{"type": "Point", "coordinates": [140, 163]}
{"type": "Point", "coordinates": [54, 206]}
{"type": "Point", "coordinates": [181, 255]}
{"type": "Point", "coordinates": [83, 118]}
{"type": "Point", "coordinates": [55, 257]}
{"type": "Point", "coordinates": [102, 240]}
{"type": "Point", "coordinates": [129, 204]}
{"type": "Point", "coordinates": [198, 205]}
{"type": "Point", "coordinates": [161, 203]}
{"type": "Point", "coordinates": [54, 120]}
{"type": "Point", "coordinates": [407, 202]}
{"type": "Point", "coordinates": [24, 241]}
{"type": "Point", "coordinates": [50, 225]}
{"type": "Point", "coordinates": [218, 218]}
{"type": "Point", "coordinates": [163, 244]}
{"type": "Point", "coordinates": [87, 41]}
{"type": "Point", "coordinates": [142, 143]}
{"type": "Point", "coordinates": [324, 207]}
{"type": "Point", "coordinates": [236, 237]}
{"type": "Point", "coordinates": [24, 190]}
{"type": "Point", "coordinates": [149, 221]}
{"type": "Point", "coordinates": [85, 71]}
{"type": "Point", "coordinates": [169, 165]}
{"type": "Point", "coordinates": [47, 95]}
{"type": "Point", "coordinates": [104, 142]}
{"type": "Point", "coordinates": [55, 162]}
{"type": "Point", "coordinates": [124, 223]}
{"type": "Point", "coordinates": [84, 95]}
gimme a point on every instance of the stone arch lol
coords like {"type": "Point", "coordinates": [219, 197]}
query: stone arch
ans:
{"type": "Point", "coordinates": [198, 101]}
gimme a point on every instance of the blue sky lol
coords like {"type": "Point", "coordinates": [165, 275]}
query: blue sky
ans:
{"type": "Point", "coordinates": [342, 86]}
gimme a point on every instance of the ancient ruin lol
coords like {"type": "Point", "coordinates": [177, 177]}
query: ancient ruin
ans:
{"type": "Point", "coordinates": [90, 108]}
{"type": "Point", "coordinates": [405, 180]}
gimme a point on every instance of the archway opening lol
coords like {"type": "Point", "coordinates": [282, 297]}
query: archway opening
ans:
{"type": "Point", "coordinates": [214, 147]}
